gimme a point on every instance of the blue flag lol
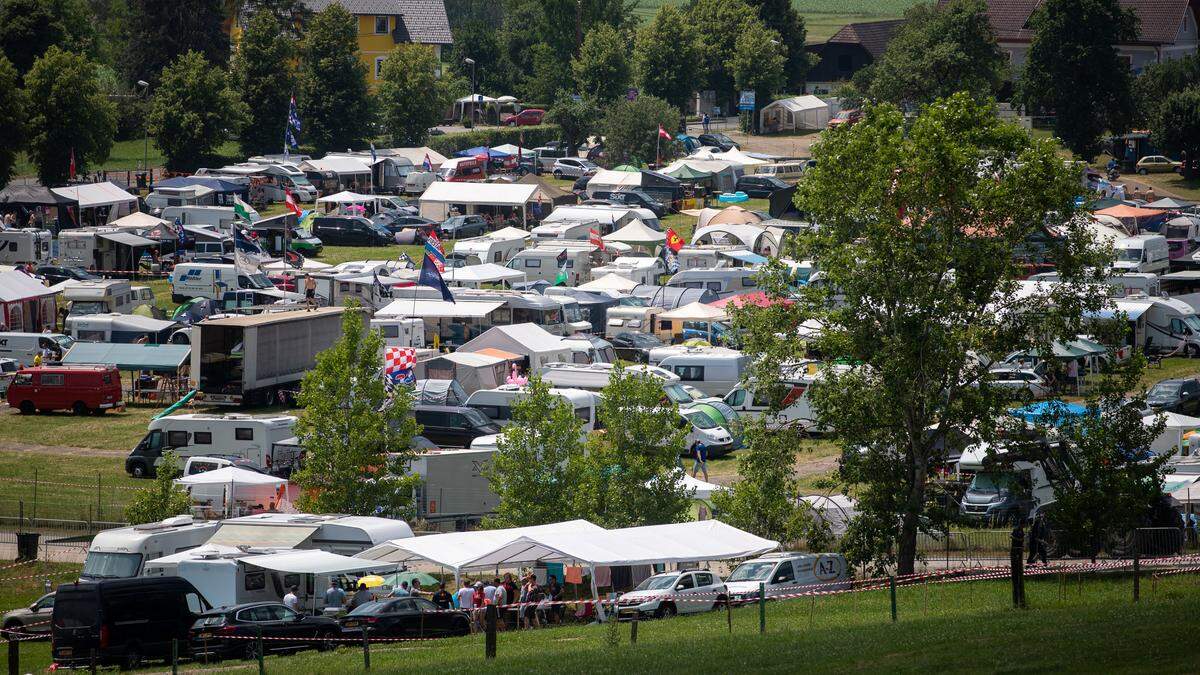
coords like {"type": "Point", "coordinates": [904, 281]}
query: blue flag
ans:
{"type": "Point", "coordinates": [432, 278]}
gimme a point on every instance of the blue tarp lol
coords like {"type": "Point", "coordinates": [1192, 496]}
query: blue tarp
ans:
{"type": "Point", "coordinates": [214, 184]}
{"type": "Point", "coordinates": [479, 150]}
{"type": "Point", "coordinates": [745, 256]}
{"type": "Point", "coordinates": [159, 358]}
{"type": "Point", "coordinates": [1037, 411]}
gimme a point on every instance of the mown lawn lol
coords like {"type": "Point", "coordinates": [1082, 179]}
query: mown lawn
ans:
{"type": "Point", "coordinates": [961, 627]}
{"type": "Point", "coordinates": [128, 156]}
{"type": "Point", "coordinates": [821, 18]}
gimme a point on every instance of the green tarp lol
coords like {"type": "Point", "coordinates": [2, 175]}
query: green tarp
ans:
{"type": "Point", "coordinates": [157, 358]}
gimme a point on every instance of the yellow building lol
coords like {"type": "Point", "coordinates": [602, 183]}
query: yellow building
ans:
{"type": "Point", "coordinates": [383, 24]}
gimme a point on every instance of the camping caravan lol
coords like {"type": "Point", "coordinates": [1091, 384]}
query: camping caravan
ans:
{"type": "Point", "coordinates": [797, 411]}
{"type": "Point", "coordinates": [497, 403]}
{"type": "Point", "coordinates": [24, 245]}
{"type": "Point", "coordinates": [543, 263]}
{"type": "Point", "coordinates": [1171, 326]}
{"type": "Point", "coordinates": [123, 552]}
{"type": "Point", "coordinates": [720, 280]}
{"type": "Point", "coordinates": [641, 269]}
{"type": "Point", "coordinates": [573, 230]}
{"type": "Point", "coordinates": [610, 217]}
{"type": "Point", "coordinates": [397, 332]}
{"type": "Point", "coordinates": [488, 248]}
{"type": "Point", "coordinates": [218, 218]}
{"type": "Point", "coordinates": [712, 370]}
{"type": "Point", "coordinates": [708, 256]}
{"type": "Point", "coordinates": [108, 296]}
{"type": "Point", "coordinates": [261, 439]}
{"type": "Point", "coordinates": [596, 376]}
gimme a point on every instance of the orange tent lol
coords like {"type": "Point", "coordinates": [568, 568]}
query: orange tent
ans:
{"type": "Point", "coordinates": [1126, 211]}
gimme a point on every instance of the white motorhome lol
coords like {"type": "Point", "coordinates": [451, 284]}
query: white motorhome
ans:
{"type": "Point", "coordinates": [542, 263]}
{"type": "Point", "coordinates": [709, 256]}
{"type": "Point", "coordinates": [713, 370]}
{"type": "Point", "coordinates": [188, 195]}
{"type": "Point", "coordinates": [219, 218]}
{"type": "Point", "coordinates": [787, 573]}
{"type": "Point", "coordinates": [631, 317]}
{"type": "Point", "coordinates": [1171, 325]}
{"type": "Point", "coordinates": [571, 230]}
{"type": "Point", "coordinates": [487, 248]}
{"type": "Point", "coordinates": [1143, 253]}
{"type": "Point", "coordinates": [213, 280]}
{"type": "Point", "coordinates": [798, 379]}
{"type": "Point", "coordinates": [497, 403]}
{"type": "Point", "coordinates": [399, 332]}
{"type": "Point", "coordinates": [721, 280]}
{"type": "Point", "coordinates": [640, 269]}
{"type": "Point", "coordinates": [266, 440]}
{"type": "Point", "coordinates": [123, 552]}
{"type": "Point", "coordinates": [119, 328]}
{"type": "Point", "coordinates": [25, 245]}
{"type": "Point", "coordinates": [22, 347]}
{"type": "Point", "coordinates": [105, 296]}
{"type": "Point", "coordinates": [595, 377]}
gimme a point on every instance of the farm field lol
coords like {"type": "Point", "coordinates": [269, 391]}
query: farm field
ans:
{"type": "Point", "coordinates": [822, 18]}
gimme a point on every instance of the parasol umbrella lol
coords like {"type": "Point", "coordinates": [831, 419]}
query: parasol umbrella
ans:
{"type": "Point", "coordinates": [371, 581]}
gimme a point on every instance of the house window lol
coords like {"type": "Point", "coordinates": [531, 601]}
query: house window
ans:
{"type": "Point", "coordinates": [379, 67]}
{"type": "Point", "coordinates": [381, 25]}
{"type": "Point", "coordinates": [845, 63]}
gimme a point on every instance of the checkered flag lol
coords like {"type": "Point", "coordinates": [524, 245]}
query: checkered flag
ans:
{"type": "Point", "coordinates": [398, 363]}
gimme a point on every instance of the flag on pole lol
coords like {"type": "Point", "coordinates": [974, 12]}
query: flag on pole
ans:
{"type": "Point", "coordinates": [381, 290]}
{"type": "Point", "coordinates": [430, 276]}
{"type": "Point", "coordinates": [406, 260]}
{"type": "Point", "coordinates": [71, 170]}
{"type": "Point", "coordinates": [243, 210]}
{"type": "Point", "coordinates": [427, 165]}
{"type": "Point", "coordinates": [398, 365]}
{"type": "Point", "coordinates": [289, 201]}
{"type": "Point", "coordinates": [595, 239]}
{"type": "Point", "coordinates": [435, 254]}
{"type": "Point", "coordinates": [670, 260]}
{"type": "Point", "coordinates": [293, 259]}
{"type": "Point", "coordinates": [180, 236]}
{"type": "Point", "coordinates": [674, 241]}
{"type": "Point", "coordinates": [662, 133]}
{"type": "Point", "coordinates": [291, 128]}
{"type": "Point", "coordinates": [562, 259]}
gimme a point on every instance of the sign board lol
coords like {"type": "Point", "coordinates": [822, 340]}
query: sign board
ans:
{"type": "Point", "coordinates": [632, 94]}
{"type": "Point", "coordinates": [576, 98]}
{"type": "Point", "coordinates": [746, 100]}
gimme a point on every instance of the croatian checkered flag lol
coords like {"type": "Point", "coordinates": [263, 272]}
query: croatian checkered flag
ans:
{"type": "Point", "coordinates": [398, 363]}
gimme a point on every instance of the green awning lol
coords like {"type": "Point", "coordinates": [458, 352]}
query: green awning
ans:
{"type": "Point", "coordinates": [685, 172]}
{"type": "Point", "coordinates": [158, 358]}
{"type": "Point", "coordinates": [627, 167]}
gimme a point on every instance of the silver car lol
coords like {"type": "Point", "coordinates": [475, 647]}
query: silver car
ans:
{"type": "Point", "coordinates": [573, 167]}
{"type": "Point", "coordinates": [32, 619]}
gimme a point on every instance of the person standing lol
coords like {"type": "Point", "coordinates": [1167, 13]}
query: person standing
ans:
{"type": "Point", "coordinates": [700, 462]}
{"type": "Point", "coordinates": [361, 597]}
{"type": "Point", "coordinates": [401, 591]}
{"type": "Point", "coordinates": [291, 601]}
{"type": "Point", "coordinates": [442, 597]}
{"type": "Point", "coordinates": [705, 122]}
{"type": "Point", "coordinates": [310, 292]}
{"type": "Point", "coordinates": [1038, 534]}
{"type": "Point", "coordinates": [465, 602]}
{"type": "Point", "coordinates": [334, 596]}
{"type": "Point", "coordinates": [500, 599]}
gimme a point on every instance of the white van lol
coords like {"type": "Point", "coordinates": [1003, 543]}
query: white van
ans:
{"type": "Point", "coordinates": [1143, 253]}
{"type": "Point", "coordinates": [189, 195]}
{"type": "Point", "coordinates": [1172, 324]}
{"type": "Point", "coordinates": [399, 332]}
{"type": "Point", "coordinates": [575, 230]}
{"type": "Point", "coordinates": [220, 218]}
{"type": "Point", "coordinates": [476, 250]}
{"type": "Point", "coordinates": [789, 171]}
{"type": "Point", "coordinates": [797, 402]}
{"type": "Point", "coordinates": [497, 403]}
{"type": "Point", "coordinates": [785, 573]}
{"type": "Point", "coordinates": [25, 245]}
{"type": "Point", "coordinates": [123, 552]}
{"type": "Point", "coordinates": [212, 280]}
{"type": "Point", "coordinates": [720, 280]}
{"type": "Point", "coordinates": [105, 296]}
{"type": "Point", "coordinates": [541, 263]}
{"type": "Point", "coordinates": [22, 347]}
{"type": "Point", "coordinates": [262, 439]}
{"type": "Point", "coordinates": [713, 370]}
{"type": "Point", "coordinates": [640, 269]}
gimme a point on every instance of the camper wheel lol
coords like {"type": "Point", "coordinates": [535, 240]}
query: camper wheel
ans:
{"type": "Point", "coordinates": [80, 408]}
{"type": "Point", "coordinates": [1191, 351]}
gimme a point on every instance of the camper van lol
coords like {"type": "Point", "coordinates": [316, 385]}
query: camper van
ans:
{"type": "Point", "coordinates": [709, 256]}
{"type": "Point", "coordinates": [797, 402]}
{"type": "Point", "coordinates": [262, 439]}
{"type": "Point", "coordinates": [219, 218]}
{"type": "Point", "coordinates": [788, 171]}
{"type": "Point", "coordinates": [25, 245]}
{"type": "Point", "coordinates": [712, 370]}
{"type": "Point", "coordinates": [1143, 253]}
{"type": "Point", "coordinates": [721, 280]}
{"type": "Point", "coordinates": [123, 552]}
{"type": "Point", "coordinates": [640, 269]}
{"type": "Point", "coordinates": [22, 347]}
{"type": "Point", "coordinates": [398, 332]}
{"type": "Point", "coordinates": [476, 250]}
{"type": "Point", "coordinates": [573, 230]}
{"type": "Point", "coordinates": [632, 315]}
{"type": "Point", "coordinates": [189, 195]}
{"type": "Point", "coordinates": [460, 169]}
{"type": "Point", "coordinates": [119, 328]}
{"type": "Point", "coordinates": [1171, 325]}
{"type": "Point", "coordinates": [212, 280]}
{"type": "Point", "coordinates": [106, 296]}
{"type": "Point", "coordinates": [497, 403]}
{"type": "Point", "coordinates": [541, 263]}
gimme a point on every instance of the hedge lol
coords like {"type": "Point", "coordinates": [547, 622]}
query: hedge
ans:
{"type": "Point", "coordinates": [448, 144]}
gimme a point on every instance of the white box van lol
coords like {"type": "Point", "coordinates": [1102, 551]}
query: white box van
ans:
{"type": "Point", "coordinates": [573, 230]}
{"type": "Point", "coordinates": [253, 437]}
{"type": "Point", "coordinates": [541, 263]}
{"type": "Point", "coordinates": [713, 370]}
{"type": "Point", "coordinates": [212, 280]}
{"type": "Point", "coordinates": [22, 347]}
{"type": "Point", "coordinates": [497, 403]}
{"type": "Point", "coordinates": [720, 280]}
{"type": "Point", "coordinates": [784, 573]}
{"type": "Point", "coordinates": [1143, 253]}
{"type": "Point", "coordinates": [24, 245]}
{"type": "Point", "coordinates": [220, 218]}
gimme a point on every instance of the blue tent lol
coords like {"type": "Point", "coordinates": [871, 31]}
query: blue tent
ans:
{"type": "Point", "coordinates": [479, 150]}
{"type": "Point", "coordinates": [1049, 409]}
{"type": "Point", "coordinates": [215, 184]}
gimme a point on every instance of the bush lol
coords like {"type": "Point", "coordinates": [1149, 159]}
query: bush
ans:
{"type": "Point", "coordinates": [490, 137]}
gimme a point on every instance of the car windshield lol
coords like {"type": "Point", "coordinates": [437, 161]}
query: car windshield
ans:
{"type": "Point", "coordinates": [644, 340]}
{"type": "Point", "coordinates": [752, 571]}
{"type": "Point", "coordinates": [455, 221]}
{"type": "Point", "coordinates": [373, 607]}
{"type": "Point", "coordinates": [475, 417]}
{"type": "Point", "coordinates": [658, 583]}
{"type": "Point", "coordinates": [260, 281]}
{"type": "Point", "coordinates": [991, 482]}
{"type": "Point", "coordinates": [700, 420]}
{"type": "Point", "coordinates": [1165, 390]}
{"type": "Point", "coordinates": [677, 394]}
{"type": "Point", "coordinates": [1177, 231]}
{"type": "Point", "coordinates": [1193, 323]}
{"type": "Point", "coordinates": [105, 565]}
{"type": "Point", "coordinates": [301, 181]}
{"type": "Point", "coordinates": [80, 307]}
{"type": "Point", "coordinates": [302, 233]}
{"type": "Point", "coordinates": [1129, 255]}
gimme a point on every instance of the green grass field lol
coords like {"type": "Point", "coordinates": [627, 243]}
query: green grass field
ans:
{"type": "Point", "coordinates": [128, 156]}
{"type": "Point", "coordinates": [822, 18]}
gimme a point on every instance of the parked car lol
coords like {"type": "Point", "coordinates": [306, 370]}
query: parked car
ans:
{"type": "Point", "coordinates": [760, 186]}
{"type": "Point", "coordinates": [1177, 396]}
{"type": "Point", "coordinates": [453, 426]}
{"type": "Point", "coordinates": [572, 167]}
{"type": "Point", "coordinates": [1158, 164]}
{"type": "Point", "coordinates": [222, 633]}
{"type": "Point", "coordinates": [283, 281]}
{"type": "Point", "coordinates": [581, 183]}
{"type": "Point", "coordinates": [717, 140]}
{"type": "Point", "coordinates": [635, 346]}
{"type": "Point", "coordinates": [848, 117]}
{"type": "Point", "coordinates": [1020, 381]}
{"type": "Point", "coordinates": [82, 389]}
{"type": "Point", "coordinates": [459, 227]}
{"type": "Point", "coordinates": [56, 274]}
{"type": "Point", "coordinates": [404, 617]}
{"type": "Point", "coordinates": [34, 619]}
{"type": "Point", "coordinates": [633, 197]}
{"type": "Point", "coordinates": [702, 590]}
{"type": "Point", "coordinates": [525, 118]}
{"type": "Point", "coordinates": [350, 231]}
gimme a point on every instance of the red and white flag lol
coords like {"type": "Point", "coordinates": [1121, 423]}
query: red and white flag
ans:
{"type": "Point", "coordinates": [662, 133]}
{"type": "Point", "coordinates": [289, 200]}
{"type": "Point", "coordinates": [595, 239]}
{"type": "Point", "coordinates": [71, 171]}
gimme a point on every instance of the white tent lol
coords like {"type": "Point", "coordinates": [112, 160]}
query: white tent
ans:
{"type": "Point", "coordinates": [1174, 427]}
{"type": "Point", "coordinates": [737, 156]}
{"type": "Point", "coordinates": [609, 179]}
{"type": "Point", "coordinates": [835, 510]}
{"type": "Point", "coordinates": [309, 265]}
{"type": "Point", "coordinates": [418, 156]}
{"type": "Point", "coordinates": [221, 490]}
{"type": "Point", "coordinates": [703, 489]}
{"type": "Point", "coordinates": [637, 233]}
{"type": "Point", "coordinates": [438, 309]}
{"type": "Point", "coordinates": [341, 165]}
{"type": "Point", "coordinates": [473, 371]}
{"type": "Point", "coordinates": [313, 561]}
{"type": "Point", "coordinates": [137, 221]}
{"type": "Point", "coordinates": [754, 237]}
{"type": "Point", "coordinates": [509, 233]}
{"type": "Point", "coordinates": [696, 311]}
{"type": "Point", "coordinates": [526, 339]}
{"type": "Point", "coordinates": [609, 282]}
{"type": "Point", "coordinates": [346, 197]}
{"type": "Point", "coordinates": [797, 112]}
{"type": "Point", "coordinates": [93, 195]}
{"type": "Point", "coordinates": [437, 199]}
{"type": "Point", "coordinates": [230, 475]}
{"type": "Point", "coordinates": [474, 275]}
{"type": "Point", "coordinates": [510, 149]}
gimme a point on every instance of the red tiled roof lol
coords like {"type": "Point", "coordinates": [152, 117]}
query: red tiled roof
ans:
{"type": "Point", "coordinates": [874, 36]}
{"type": "Point", "coordinates": [1159, 23]}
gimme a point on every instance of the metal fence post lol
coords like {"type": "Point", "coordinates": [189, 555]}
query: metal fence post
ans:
{"type": "Point", "coordinates": [174, 656]}
{"type": "Point", "coordinates": [762, 607]}
{"type": "Point", "coordinates": [366, 650]}
{"type": "Point", "coordinates": [35, 487]}
{"type": "Point", "coordinates": [14, 655]}
{"type": "Point", "coordinates": [262, 667]}
{"type": "Point", "coordinates": [489, 638]}
{"type": "Point", "coordinates": [633, 629]}
{"type": "Point", "coordinates": [99, 508]}
{"type": "Point", "coordinates": [729, 614]}
{"type": "Point", "coordinates": [1016, 560]}
{"type": "Point", "coordinates": [892, 588]}
{"type": "Point", "coordinates": [1137, 567]}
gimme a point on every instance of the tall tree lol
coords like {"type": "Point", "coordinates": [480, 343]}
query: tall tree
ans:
{"type": "Point", "coordinates": [602, 69]}
{"type": "Point", "coordinates": [335, 103]}
{"type": "Point", "coordinates": [631, 130]}
{"type": "Point", "coordinates": [630, 474]}
{"type": "Point", "coordinates": [717, 24]}
{"type": "Point", "coordinates": [29, 27]}
{"type": "Point", "coordinates": [411, 96]}
{"type": "Point", "coordinates": [194, 111]}
{"type": "Point", "coordinates": [531, 471]}
{"type": "Point", "coordinates": [549, 75]}
{"type": "Point", "coordinates": [264, 75]}
{"type": "Point", "coordinates": [920, 245]}
{"type": "Point", "coordinates": [667, 56]}
{"type": "Point", "coordinates": [160, 32]}
{"type": "Point", "coordinates": [72, 116]}
{"type": "Point", "coordinates": [1176, 127]}
{"type": "Point", "coordinates": [1159, 80]}
{"type": "Point", "coordinates": [13, 112]}
{"type": "Point", "coordinates": [781, 16]}
{"type": "Point", "coordinates": [758, 63]}
{"type": "Point", "coordinates": [480, 42]}
{"type": "Point", "coordinates": [161, 500]}
{"type": "Point", "coordinates": [577, 119]}
{"type": "Point", "coordinates": [1075, 71]}
{"type": "Point", "coordinates": [357, 437]}
{"type": "Point", "coordinates": [937, 51]}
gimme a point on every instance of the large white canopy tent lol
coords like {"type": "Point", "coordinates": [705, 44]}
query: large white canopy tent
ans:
{"type": "Point", "coordinates": [484, 273]}
{"type": "Point", "coordinates": [437, 199]}
{"type": "Point", "coordinates": [1175, 426]}
{"type": "Point", "coordinates": [796, 112]}
{"type": "Point", "coordinates": [637, 233]}
{"type": "Point", "coordinates": [99, 195]}
{"type": "Point", "coordinates": [231, 485]}
{"type": "Point", "coordinates": [609, 282]}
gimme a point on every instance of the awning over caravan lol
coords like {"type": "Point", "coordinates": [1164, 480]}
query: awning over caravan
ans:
{"type": "Point", "coordinates": [484, 273]}
{"type": "Point", "coordinates": [744, 256]}
{"type": "Point", "coordinates": [89, 195]}
{"type": "Point", "coordinates": [157, 358]}
{"type": "Point", "coordinates": [128, 239]}
{"type": "Point", "coordinates": [313, 562]}
{"type": "Point", "coordinates": [265, 535]}
{"type": "Point", "coordinates": [439, 309]}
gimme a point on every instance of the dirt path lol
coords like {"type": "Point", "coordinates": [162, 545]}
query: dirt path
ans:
{"type": "Point", "coordinates": [34, 449]}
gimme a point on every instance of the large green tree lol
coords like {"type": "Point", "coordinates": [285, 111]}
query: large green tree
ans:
{"type": "Point", "coordinates": [160, 32]}
{"type": "Point", "coordinates": [921, 224]}
{"type": "Point", "coordinates": [531, 471]}
{"type": "Point", "coordinates": [1075, 72]}
{"type": "Point", "coordinates": [781, 16]}
{"type": "Point", "coordinates": [411, 96]}
{"type": "Point", "coordinates": [937, 51]}
{"type": "Point", "coordinates": [578, 119]}
{"type": "Point", "coordinates": [71, 116]}
{"type": "Point", "coordinates": [667, 56]}
{"type": "Point", "coordinates": [480, 42]}
{"type": "Point", "coordinates": [1176, 127]}
{"type": "Point", "coordinates": [631, 130]}
{"type": "Point", "coordinates": [357, 437]}
{"type": "Point", "coordinates": [549, 74]}
{"type": "Point", "coordinates": [161, 500]}
{"type": "Point", "coordinates": [335, 103]}
{"type": "Point", "coordinates": [717, 24]}
{"type": "Point", "coordinates": [29, 27]}
{"type": "Point", "coordinates": [1160, 80]}
{"type": "Point", "coordinates": [12, 119]}
{"type": "Point", "coordinates": [264, 76]}
{"type": "Point", "coordinates": [603, 69]}
{"type": "Point", "coordinates": [759, 63]}
{"type": "Point", "coordinates": [194, 111]}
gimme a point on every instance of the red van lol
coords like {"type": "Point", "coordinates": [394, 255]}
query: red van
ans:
{"type": "Point", "coordinates": [83, 389]}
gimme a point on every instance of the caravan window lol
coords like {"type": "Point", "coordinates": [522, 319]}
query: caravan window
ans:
{"type": "Point", "coordinates": [244, 433]}
{"type": "Point", "coordinates": [390, 331]}
{"type": "Point", "coordinates": [532, 262]}
{"type": "Point", "coordinates": [177, 439]}
{"type": "Point", "coordinates": [256, 581]}
{"type": "Point", "coordinates": [690, 373]}
{"type": "Point", "coordinates": [202, 438]}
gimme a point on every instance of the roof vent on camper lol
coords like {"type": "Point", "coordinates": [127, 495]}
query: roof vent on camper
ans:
{"type": "Point", "coordinates": [177, 521]}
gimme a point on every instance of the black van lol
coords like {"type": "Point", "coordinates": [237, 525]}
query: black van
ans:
{"type": "Point", "coordinates": [125, 621]}
{"type": "Point", "coordinates": [350, 231]}
{"type": "Point", "coordinates": [453, 426]}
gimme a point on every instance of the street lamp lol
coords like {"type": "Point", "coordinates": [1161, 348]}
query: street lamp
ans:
{"type": "Point", "coordinates": [146, 133]}
{"type": "Point", "coordinates": [471, 62]}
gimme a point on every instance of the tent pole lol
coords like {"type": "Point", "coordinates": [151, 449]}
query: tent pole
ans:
{"type": "Point", "coordinates": [596, 594]}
